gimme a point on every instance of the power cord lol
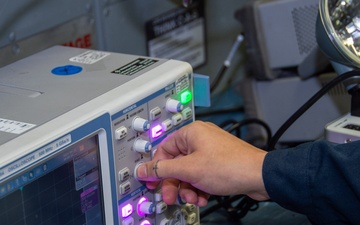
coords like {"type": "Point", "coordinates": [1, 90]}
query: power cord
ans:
{"type": "Point", "coordinates": [221, 111]}
{"type": "Point", "coordinates": [308, 104]}
{"type": "Point", "coordinates": [238, 125]}
{"type": "Point", "coordinates": [236, 206]}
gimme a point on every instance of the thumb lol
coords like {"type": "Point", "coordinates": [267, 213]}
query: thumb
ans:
{"type": "Point", "coordinates": [153, 170]}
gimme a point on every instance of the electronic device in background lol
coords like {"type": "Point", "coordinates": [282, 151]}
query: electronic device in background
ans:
{"type": "Point", "coordinates": [275, 101]}
{"type": "Point", "coordinates": [284, 63]}
{"type": "Point", "coordinates": [75, 123]}
{"type": "Point", "coordinates": [280, 38]}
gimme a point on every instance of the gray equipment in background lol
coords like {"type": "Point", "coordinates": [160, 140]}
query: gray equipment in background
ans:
{"type": "Point", "coordinates": [280, 35]}
{"type": "Point", "coordinates": [275, 101]}
{"type": "Point", "coordinates": [285, 69]}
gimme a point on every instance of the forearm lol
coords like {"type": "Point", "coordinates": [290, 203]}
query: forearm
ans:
{"type": "Point", "coordinates": [317, 179]}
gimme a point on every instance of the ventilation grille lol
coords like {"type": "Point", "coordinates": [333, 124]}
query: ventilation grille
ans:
{"type": "Point", "coordinates": [304, 19]}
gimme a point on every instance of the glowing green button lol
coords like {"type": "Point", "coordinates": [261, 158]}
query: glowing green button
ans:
{"type": "Point", "coordinates": [185, 97]}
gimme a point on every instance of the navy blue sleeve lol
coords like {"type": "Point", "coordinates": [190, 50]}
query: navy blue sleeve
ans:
{"type": "Point", "coordinates": [318, 179]}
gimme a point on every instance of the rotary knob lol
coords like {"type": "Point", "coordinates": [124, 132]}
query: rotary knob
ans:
{"type": "Point", "coordinates": [142, 146]}
{"type": "Point", "coordinates": [146, 208]}
{"type": "Point", "coordinates": [140, 124]}
{"type": "Point", "coordinates": [174, 106]}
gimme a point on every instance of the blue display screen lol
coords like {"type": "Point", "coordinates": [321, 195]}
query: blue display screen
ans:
{"type": "Point", "coordinates": [62, 190]}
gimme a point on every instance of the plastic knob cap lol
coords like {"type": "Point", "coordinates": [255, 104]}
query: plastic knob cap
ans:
{"type": "Point", "coordinates": [147, 208]}
{"type": "Point", "coordinates": [142, 146]}
{"type": "Point", "coordinates": [140, 124]}
{"type": "Point", "coordinates": [174, 106]}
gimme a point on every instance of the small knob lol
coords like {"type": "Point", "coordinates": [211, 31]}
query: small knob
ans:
{"type": "Point", "coordinates": [140, 124]}
{"type": "Point", "coordinates": [174, 106]}
{"type": "Point", "coordinates": [147, 207]}
{"type": "Point", "coordinates": [142, 146]}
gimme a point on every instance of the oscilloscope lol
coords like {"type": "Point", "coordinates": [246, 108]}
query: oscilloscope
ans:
{"type": "Point", "coordinates": [75, 123]}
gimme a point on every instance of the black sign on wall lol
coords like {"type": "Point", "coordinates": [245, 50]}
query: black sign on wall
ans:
{"type": "Point", "coordinates": [178, 34]}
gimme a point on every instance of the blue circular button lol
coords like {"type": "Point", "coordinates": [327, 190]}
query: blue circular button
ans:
{"type": "Point", "coordinates": [67, 70]}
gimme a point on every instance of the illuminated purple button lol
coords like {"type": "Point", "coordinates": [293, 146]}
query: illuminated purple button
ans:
{"type": "Point", "coordinates": [127, 210]}
{"type": "Point", "coordinates": [156, 131]}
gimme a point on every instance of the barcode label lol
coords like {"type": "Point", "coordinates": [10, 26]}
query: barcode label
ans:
{"type": "Point", "coordinates": [89, 57]}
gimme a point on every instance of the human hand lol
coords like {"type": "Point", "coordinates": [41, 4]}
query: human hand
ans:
{"type": "Point", "coordinates": [202, 159]}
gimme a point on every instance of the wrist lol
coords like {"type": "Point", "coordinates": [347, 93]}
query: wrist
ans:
{"type": "Point", "coordinates": [258, 191]}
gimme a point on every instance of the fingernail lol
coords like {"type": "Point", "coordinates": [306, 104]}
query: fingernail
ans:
{"type": "Point", "coordinates": [141, 171]}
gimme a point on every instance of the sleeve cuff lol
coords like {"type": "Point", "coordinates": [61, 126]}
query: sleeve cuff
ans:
{"type": "Point", "coordinates": [286, 179]}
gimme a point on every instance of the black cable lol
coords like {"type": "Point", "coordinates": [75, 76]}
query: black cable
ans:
{"type": "Point", "coordinates": [221, 111]}
{"type": "Point", "coordinates": [237, 125]}
{"type": "Point", "coordinates": [219, 205]}
{"type": "Point", "coordinates": [245, 204]}
{"type": "Point", "coordinates": [308, 104]}
{"type": "Point", "coordinates": [227, 123]}
{"type": "Point", "coordinates": [250, 121]}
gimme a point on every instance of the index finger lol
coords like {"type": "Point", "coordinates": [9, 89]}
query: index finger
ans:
{"type": "Point", "coordinates": [174, 145]}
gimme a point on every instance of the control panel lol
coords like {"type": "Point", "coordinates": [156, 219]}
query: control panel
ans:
{"type": "Point", "coordinates": [88, 118]}
{"type": "Point", "coordinates": [138, 129]}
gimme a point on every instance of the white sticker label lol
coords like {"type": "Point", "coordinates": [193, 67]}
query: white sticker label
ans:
{"type": "Point", "coordinates": [185, 43]}
{"type": "Point", "coordinates": [182, 83]}
{"type": "Point", "coordinates": [89, 57]}
{"type": "Point", "coordinates": [178, 34]}
{"type": "Point", "coordinates": [14, 127]}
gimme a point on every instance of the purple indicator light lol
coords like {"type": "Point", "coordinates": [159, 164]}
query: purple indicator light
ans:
{"type": "Point", "coordinates": [143, 199]}
{"type": "Point", "coordinates": [127, 210]}
{"type": "Point", "coordinates": [146, 222]}
{"type": "Point", "coordinates": [156, 131]}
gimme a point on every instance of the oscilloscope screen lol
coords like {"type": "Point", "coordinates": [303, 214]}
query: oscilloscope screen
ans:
{"type": "Point", "coordinates": [64, 190]}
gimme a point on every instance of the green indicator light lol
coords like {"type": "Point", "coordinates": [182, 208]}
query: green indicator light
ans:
{"type": "Point", "coordinates": [185, 97]}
